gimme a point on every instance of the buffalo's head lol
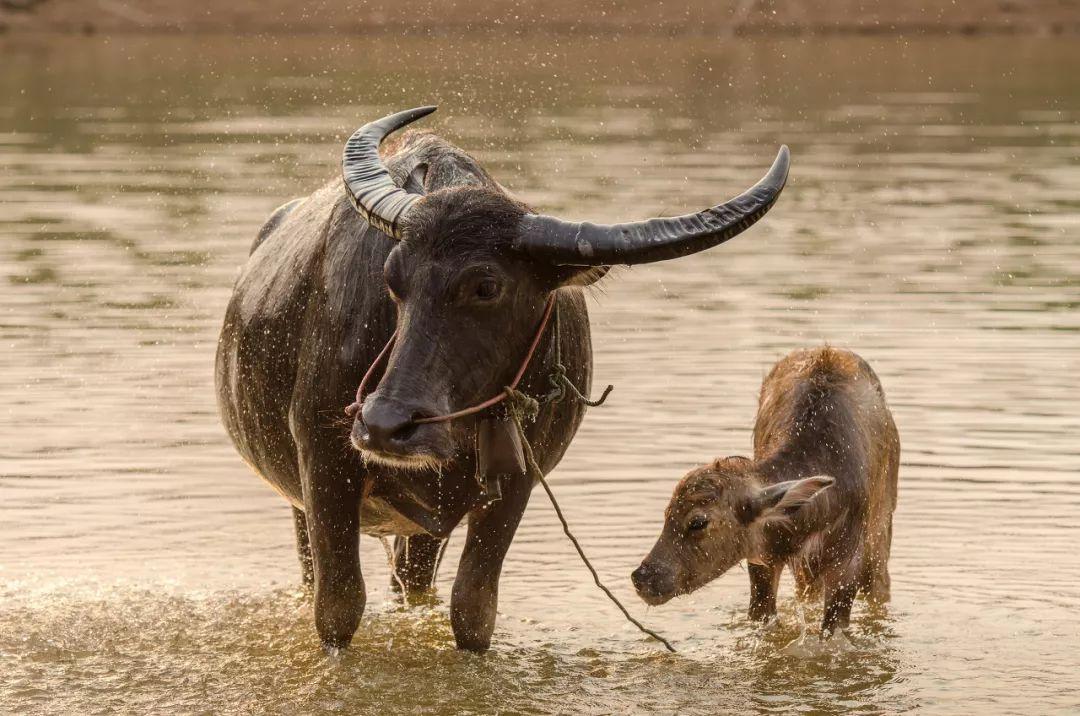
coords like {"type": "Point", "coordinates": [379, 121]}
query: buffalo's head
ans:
{"type": "Point", "coordinates": [471, 274]}
{"type": "Point", "coordinates": [718, 516]}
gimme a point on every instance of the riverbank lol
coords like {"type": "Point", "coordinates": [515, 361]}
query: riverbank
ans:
{"type": "Point", "coordinates": [583, 17]}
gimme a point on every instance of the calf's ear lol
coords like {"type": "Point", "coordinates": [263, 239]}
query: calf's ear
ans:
{"type": "Point", "coordinates": [787, 498]}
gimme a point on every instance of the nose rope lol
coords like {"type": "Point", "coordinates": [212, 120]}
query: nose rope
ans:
{"type": "Point", "coordinates": [354, 408]}
{"type": "Point", "coordinates": [561, 383]}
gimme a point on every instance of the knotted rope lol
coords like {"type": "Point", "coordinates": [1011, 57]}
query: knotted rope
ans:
{"type": "Point", "coordinates": [560, 382]}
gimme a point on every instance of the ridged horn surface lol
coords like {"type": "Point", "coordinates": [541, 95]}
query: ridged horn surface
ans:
{"type": "Point", "coordinates": [373, 192]}
{"type": "Point", "coordinates": [586, 244]}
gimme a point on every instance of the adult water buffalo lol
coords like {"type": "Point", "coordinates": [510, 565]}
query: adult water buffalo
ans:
{"type": "Point", "coordinates": [430, 249]}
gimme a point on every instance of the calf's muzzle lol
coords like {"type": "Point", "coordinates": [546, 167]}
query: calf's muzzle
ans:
{"type": "Point", "coordinates": [654, 583]}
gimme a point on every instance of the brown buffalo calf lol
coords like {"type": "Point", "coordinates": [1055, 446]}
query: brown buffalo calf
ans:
{"type": "Point", "coordinates": [818, 496]}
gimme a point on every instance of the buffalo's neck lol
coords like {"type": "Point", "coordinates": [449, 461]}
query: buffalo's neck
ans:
{"type": "Point", "coordinates": [435, 502]}
{"type": "Point", "coordinates": [797, 456]}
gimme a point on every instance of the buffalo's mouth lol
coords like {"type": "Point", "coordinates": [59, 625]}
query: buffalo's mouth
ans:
{"type": "Point", "coordinates": [654, 599]}
{"type": "Point", "coordinates": [414, 447]}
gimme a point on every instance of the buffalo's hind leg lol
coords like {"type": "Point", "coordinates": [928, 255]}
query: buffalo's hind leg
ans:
{"type": "Point", "coordinates": [416, 559]}
{"type": "Point", "coordinates": [876, 584]}
{"type": "Point", "coordinates": [303, 548]}
{"type": "Point", "coordinates": [476, 588]}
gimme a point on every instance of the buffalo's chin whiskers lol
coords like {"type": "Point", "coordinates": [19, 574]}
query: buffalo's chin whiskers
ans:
{"type": "Point", "coordinates": [414, 463]}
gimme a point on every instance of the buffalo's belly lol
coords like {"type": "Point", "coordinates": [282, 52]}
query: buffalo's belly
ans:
{"type": "Point", "coordinates": [288, 486]}
{"type": "Point", "coordinates": [379, 519]}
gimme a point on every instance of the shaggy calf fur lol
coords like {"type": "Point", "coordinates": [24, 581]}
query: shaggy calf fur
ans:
{"type": "Point", "coordinates": [818, 496]}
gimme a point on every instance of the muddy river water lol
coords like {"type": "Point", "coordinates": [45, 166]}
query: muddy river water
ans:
{"type": "Point", "coordinates": [932, 223]}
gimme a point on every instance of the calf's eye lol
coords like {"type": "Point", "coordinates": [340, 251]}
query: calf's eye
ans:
{"type": "Point", "coordinates": [487, 289]}
{"type": "Point", "coordinates": [697, 522]}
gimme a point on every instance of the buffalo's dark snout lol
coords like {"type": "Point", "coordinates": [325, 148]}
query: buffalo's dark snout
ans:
{"type": "Point", "coordinates": [386, 429]}
{"type": "Point", "coordinates": [654, 583]}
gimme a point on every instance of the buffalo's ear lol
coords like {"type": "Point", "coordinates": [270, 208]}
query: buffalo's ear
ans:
{"type": "Point", "coordinates": [580, 275]}
{"type": "Point", "coordinates": [787, 498]}
{"type": "Point", "coordinates": [414, 183]}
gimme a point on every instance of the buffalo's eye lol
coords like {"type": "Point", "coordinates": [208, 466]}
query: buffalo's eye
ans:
{"type": "Point", "coordinates": [697, 523]}
{"type": "Point", "coordinates": [393, 275]}
{"type": "Point", "coordinates": [487, 289]}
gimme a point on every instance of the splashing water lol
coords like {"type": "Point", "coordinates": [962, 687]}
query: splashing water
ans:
{"type": "Point", "coordinates": [438, 561]}
{"type": "Point", "coordinates": [391, 561]}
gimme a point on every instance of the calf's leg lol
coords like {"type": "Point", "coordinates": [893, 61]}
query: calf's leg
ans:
{"type": "Point", "coordinates": [764, 582]}
{"type": "Point", "coordinates": [838, 601]}
{"type": "Point", "coordinates": [476, 588]}
{"type": "Point", "coordinates": [876, 583]}
{"type": "Point", "coordinates": [839, 586]}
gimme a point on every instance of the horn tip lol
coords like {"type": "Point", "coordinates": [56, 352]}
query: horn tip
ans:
{"type": "Point", "coordinates": [779, 172]}
{"type": "Point", "coordinates": [421, 112]}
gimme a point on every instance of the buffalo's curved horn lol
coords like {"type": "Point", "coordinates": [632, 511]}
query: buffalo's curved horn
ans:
{"type": "Point", "coordinates": [374, 194]}
{"type": "Point", "coordinates": [585, 244]}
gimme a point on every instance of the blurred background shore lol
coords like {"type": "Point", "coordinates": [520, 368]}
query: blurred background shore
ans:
{"type": "Point", "coordinates": [682, 17]}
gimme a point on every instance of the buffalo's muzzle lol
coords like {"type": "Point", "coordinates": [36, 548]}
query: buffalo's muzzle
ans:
{"type": "Point", "coordinates": [386, 429]}
{"type": "Point", "coordinates": [654, 584]}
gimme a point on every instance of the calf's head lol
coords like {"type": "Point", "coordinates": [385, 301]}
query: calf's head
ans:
{"type": "Point", "coordinates": [716, 518]}
{"type": "Point", "coordinates": [471, 274]}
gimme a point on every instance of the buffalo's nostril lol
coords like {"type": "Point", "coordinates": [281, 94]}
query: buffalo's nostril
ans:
{"type": "Point", "coordinates": [405, 432]}
{"type": "Point", "coordinates": [389, 426]}
{"type": "Point", "coordinates": [384, 422]}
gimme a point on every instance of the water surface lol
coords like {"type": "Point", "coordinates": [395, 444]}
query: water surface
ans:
{"type": "Point", "coordinates": [931, 224]}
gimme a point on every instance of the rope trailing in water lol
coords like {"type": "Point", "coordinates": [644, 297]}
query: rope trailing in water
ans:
{"type": "Point", "coordinates": [521, 407]}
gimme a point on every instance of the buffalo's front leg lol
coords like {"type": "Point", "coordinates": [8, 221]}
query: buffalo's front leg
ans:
{"type": "Point", "coordinates": [476, 588]}
{"type": "Point", "coordinates": [332, 506]}
{"type": "Point", "coordinates": [764, 582]}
